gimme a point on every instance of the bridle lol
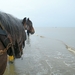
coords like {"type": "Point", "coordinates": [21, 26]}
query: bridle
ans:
{"type": "Point", "coordinates": [28, 27]}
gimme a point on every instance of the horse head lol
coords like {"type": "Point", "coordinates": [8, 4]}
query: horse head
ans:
{"type": "Point", "coordinates": [28, 25]}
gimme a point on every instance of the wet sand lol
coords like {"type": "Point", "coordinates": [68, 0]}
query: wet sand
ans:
{"type": "Point", "coordinates": [44, 56]}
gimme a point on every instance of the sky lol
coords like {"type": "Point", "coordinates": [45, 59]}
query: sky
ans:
{"type": "Point", "coordinates": [42, 13]}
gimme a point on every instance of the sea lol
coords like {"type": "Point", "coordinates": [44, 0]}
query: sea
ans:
{"type": "Point", "coordinates": [50, 51]}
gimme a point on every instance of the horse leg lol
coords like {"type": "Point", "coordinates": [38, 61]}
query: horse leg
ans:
{"type": "Point", "coordinates": [28, 33]}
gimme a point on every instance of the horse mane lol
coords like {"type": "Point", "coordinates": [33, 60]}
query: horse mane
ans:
{"type": "Point", "coordinates": [1, 26]}
{"type": "Point", "coordinates": [13, 26]}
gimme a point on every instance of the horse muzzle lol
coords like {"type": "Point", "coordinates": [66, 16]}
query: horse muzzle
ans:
{"type": "Point", "coordinates": [32, 32]}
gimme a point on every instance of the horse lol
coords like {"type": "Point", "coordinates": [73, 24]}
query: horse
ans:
{"type": "Point", "coordinates": [4, 46]}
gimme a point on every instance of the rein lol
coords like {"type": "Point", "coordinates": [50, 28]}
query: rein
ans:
{"type": "Point", "coordinates": [5, 50]}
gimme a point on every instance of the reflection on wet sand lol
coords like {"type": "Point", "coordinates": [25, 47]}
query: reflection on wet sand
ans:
{"type": "Point", "coordinates": [28, 42]}
{"type": "Point", "coordinates": [11, 69]}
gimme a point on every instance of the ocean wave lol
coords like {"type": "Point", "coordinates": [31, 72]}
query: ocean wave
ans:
{"type": "Point", "coordinates": [68, 47]}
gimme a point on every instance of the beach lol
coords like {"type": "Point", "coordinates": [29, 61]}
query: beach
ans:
{"type": "Point", "coordinates": [50, 51]}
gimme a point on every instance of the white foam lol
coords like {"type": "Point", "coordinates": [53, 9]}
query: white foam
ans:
{"type": "Point", "coordinates": [71, 49]}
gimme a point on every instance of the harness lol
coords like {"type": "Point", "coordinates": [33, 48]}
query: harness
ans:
{"type": "Point", "coordinates": [4, 42]}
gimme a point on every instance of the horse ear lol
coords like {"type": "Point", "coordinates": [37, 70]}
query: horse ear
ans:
{"type": "Point", "coordinates": [24, 20]}
{"type": "Point", "coordinates": [28, 18]}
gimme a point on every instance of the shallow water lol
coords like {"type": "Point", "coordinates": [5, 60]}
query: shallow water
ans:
{"type": "Point", "coordinates": [50, 51]}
